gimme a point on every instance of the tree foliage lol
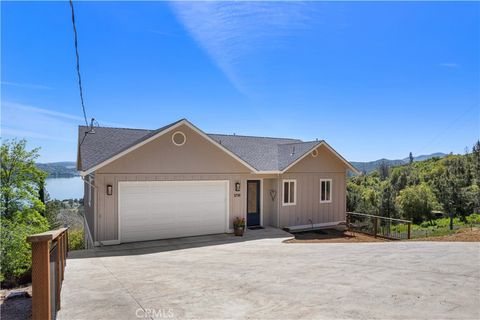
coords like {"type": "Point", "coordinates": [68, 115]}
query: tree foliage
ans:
{"type": "Point", "coordinates": [417, 202]}
{"type": "Point", "coordinates": [15, 251]}
{"type": "Point", "coordinates": [20, 178]}
{"type": "Point", "coordinates": [21, 208]}
{"type": "Point", "coordinates": [450, 184]}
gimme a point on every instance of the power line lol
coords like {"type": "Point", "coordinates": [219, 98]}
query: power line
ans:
{"type": "Point", "coordinates": [448, 127]}
{"type": "Point", "coordinates": [78, 64]}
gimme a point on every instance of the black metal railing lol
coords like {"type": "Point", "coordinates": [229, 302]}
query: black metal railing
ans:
{"type": "Point", "coordinates": [54, 275]}
{"type": "Point", "coordinates": [378, 226]}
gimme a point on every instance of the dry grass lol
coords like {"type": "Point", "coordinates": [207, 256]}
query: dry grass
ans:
{"type": "Point", "coordinates": [462, 235]}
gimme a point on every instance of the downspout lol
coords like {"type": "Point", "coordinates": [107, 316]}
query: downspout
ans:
{"type": "Point", "coordinates": [90, 176]}
{"type": "Point", "coordinates": [278, 200]}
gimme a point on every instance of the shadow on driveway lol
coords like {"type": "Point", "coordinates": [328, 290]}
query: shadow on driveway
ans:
{"type": "Point", "coordinates": [148, 247]}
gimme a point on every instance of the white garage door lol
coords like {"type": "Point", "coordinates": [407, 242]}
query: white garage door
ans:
{"type": "Point", "coordinates": [152, 210]}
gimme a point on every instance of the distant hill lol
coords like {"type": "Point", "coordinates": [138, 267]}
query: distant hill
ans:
{"type": "Point", "coordinates": [64, 169]}
{"type": "Point", "coordinates": [373, 165]}
{"type": "Point", "coordinates": [67, 169]}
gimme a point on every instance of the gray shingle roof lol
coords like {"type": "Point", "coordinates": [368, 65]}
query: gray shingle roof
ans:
{"type": "Point", "coordinates": [262, 153]}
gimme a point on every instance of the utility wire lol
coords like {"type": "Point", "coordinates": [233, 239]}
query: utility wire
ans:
{"type": "Point", "coordinates": [78, 65]}
{"type": "Point", "coordinates": [447, 128]}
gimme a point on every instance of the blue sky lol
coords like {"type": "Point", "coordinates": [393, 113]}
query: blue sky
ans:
{"type": "Point", "coordinates": [373, 79]}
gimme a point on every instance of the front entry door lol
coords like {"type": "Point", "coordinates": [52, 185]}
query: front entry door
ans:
{"type": "Point", "coordinates": [253, 203]}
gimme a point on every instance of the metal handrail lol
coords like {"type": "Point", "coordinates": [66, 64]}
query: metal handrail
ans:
{"type": "Point", "coordinates": [381, 217]}
{"type": "Point", "coordinates": [369, 224]}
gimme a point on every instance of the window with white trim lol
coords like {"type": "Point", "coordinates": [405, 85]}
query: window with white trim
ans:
{"type": "Point", "coordinates": [325, 190]}
{"type": "Point", "coordinates": [289, 192]}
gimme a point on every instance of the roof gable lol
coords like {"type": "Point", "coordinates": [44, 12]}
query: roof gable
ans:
{"type": "Point", "coordinates": [259, 154]}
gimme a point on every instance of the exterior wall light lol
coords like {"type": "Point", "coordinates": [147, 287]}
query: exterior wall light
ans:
{"type": "Point", "coordinates": [237, 186]}
{"type": "Point", "coordinates": [109, 190]}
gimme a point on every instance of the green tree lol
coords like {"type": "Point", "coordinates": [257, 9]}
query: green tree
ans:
{"type": "Point", "coordinates": [387, 200]}
{"type": "Point", "coordinates": [476, 162]}
{"type": "Point", "coordinates": [15, 251]}
{"type": "Point", "coordinates": [21, 208]}
{"type": "Point", "coordinates": [383, 170]}
{"type": "Point", "coordinates": [416, 203]}
{"type": "Point", "coordinates": [19, 177]}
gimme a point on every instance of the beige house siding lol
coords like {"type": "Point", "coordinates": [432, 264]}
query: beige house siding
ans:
{"type": "Point", "coordinates": [107, 206]}
{"type": "Point", "coordinates": [199, 159]}
{"type": "Point", "coordinates": [308, 209]}
{"type": "Point", "coordinates": [197, 155]}
{"type": "Point", "coordinates": [270, 206]}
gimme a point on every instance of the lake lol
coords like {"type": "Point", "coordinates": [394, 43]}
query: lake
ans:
{"type": "Point", "coordinates": [65, 188]}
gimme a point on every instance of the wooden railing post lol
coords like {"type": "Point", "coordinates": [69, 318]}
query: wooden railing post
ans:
{"type": "Point", "coordinates": [41, 287]}
{"type": "Point", "coordinates": [409, 230]}
{"type": "Point", "coordinates": [41, 280]}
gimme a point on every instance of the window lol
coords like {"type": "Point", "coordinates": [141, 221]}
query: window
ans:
{"type": "Point", "coordinates": [289, 192]}
{"type": "Point", "coordinates": [325, 190]}
{"type": "Point", "coordinates": [179, 138]}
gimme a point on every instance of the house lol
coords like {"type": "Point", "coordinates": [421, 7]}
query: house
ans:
{"type": "Point", "coordinates": [178, 181]}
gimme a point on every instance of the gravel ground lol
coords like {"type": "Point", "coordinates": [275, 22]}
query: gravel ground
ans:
{"type": "Point", "coordinates": [17, 308]}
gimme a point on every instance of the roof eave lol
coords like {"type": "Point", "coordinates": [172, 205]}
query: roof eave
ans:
{"type": "Point", "coordinates": [322, 142]}
{"type": "Point", "coordinates": [160, 133]}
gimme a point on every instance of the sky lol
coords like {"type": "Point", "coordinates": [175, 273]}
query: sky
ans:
{"type": "Point", "coordinates": [374, 79]}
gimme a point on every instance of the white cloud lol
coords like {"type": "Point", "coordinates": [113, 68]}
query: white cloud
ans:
{"type": "Point", "coordinates": [17, 133]}
{"type": "Point", "coordinates": [26, 85]}
{"type": "Point", "coordinates": [231, 31]}
{"type": "Point", "coordinates": [23, 107]}
{"type": "Point", "coordinates": [24, 121]}
{"type": "Point", "coordinates": [449, 65]}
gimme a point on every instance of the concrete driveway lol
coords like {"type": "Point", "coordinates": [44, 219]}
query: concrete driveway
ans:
{"type": "Point", "coordinates": [219, 277]}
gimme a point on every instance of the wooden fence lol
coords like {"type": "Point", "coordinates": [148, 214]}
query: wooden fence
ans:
{"type": "Point", "coordinates": [49, 258]}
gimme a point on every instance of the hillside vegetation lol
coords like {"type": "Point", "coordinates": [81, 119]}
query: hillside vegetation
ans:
{"type": "Point", "coordinates": [420, 191]}
{"type": "Point", "coordinates": [25, 209]}
{"type": "Point", "coordinates": [65, 169]}
{"type": "Point", "coordinates": [369, 166]}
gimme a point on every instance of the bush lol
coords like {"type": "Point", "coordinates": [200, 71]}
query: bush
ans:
{"type": "Point", "coordinates": [417, 202]}
{"type": "Point", "coordinates": [15, 251]}
{"type": "Point", "coordinates": [473, 219]}
{"type": "Point", "coordinates": [76, 240]}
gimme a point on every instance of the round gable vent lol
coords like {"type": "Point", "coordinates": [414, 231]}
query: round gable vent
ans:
{"type": "Point", "coordinates": [314, 153]}
{"type": "Point", "coordinates": [179, 138]}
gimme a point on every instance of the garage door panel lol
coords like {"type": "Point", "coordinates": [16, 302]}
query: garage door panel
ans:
{"type": "Point", "coordinates": [167, 209]}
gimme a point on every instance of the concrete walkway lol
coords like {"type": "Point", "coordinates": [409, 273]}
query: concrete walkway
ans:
{"type": "Point", "coordinates": [260, 277]}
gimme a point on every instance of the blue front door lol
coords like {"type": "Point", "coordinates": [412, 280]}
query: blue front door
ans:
{"type": "Point", "coordinates": [253, 203]}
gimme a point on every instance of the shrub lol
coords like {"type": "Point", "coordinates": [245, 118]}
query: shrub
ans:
{"type": "Point", "coordinates": [417, 202]}
{"type": "Point", "coordinates": [15, 251]}
{"type": "Point", "coordinates": [473, 219]}
{"type": "Point", "coordinates": [76, 240]}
